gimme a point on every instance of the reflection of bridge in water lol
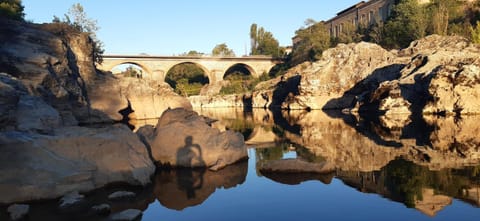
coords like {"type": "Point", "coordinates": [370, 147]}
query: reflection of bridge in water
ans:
{"type": "Point", "coordinates": [156, 67]}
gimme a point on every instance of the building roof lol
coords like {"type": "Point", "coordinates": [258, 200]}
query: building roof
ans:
{"type": "Point", "coordinates": [351, 7]}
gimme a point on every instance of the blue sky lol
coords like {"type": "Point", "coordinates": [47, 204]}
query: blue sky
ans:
{"type": "Point", "coordinates": [172, 27]}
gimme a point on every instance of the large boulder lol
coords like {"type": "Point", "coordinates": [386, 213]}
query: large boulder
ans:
{"type": "Point", "coordinates": [338, 72]}
{"type": "Point", "coordinates": [182, 138]}
{"type": "Point", "coordinates": [34, 166]}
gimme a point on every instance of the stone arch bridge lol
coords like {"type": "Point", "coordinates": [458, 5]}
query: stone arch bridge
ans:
{"type": "Point", "coordinates": [156, 67]}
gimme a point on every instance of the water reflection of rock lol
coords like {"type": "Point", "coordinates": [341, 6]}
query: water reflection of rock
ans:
{"type": "Point", "coordinates": [256, 126]}
{"type": "Point", "coordinates": [423, 162]}
{"type": "Point", "coordinates": [182, 188]}
{"type": "Point", "coordinates": [354, 144]}
{"type": "Point", "coordinates": [417, 186]}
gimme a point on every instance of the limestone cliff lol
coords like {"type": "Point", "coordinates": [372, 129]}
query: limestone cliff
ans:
{"type": "Point", "coordinates": [46, 76]}
{"type": "Point", "coordinates": [435, 74]}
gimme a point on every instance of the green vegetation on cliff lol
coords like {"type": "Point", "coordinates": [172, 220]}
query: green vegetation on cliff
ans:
{"type": "Point", "coordinates": [263, 42]}
{"type": "Point", "coordinates": [78, 19]}
{"type": "Point", "coordinates": [408, 21]}
{"type": "Point", "coordinates": [12, 9]}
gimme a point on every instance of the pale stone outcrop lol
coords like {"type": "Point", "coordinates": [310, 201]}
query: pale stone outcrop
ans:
{"type": "Point", "coordinates": [436, 74]}
{"type": "Point", "coordinates": [53, 62]}
{"type": "Point", "coordinates": [182, 138]}
{"type": "Point", "coordinates": [220, 101]}
{"type": "Point", "coordinates": [36, 166]}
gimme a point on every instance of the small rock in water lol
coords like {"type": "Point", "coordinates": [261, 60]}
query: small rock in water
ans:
{"type": "Point", "coordinates": [121, 195]}
{"type": "Point", "coordinates": [71, 199]}
{"type": "Point", "coordinates": [18, 211]}
{"type": "Point", "coordinates": [126, 215]}
{"type": "Point", "coordinates": [102, 209]}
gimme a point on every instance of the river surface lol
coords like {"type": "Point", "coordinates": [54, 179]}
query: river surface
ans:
{"type": "Point", "coordinates": [386, 168]}
{"type": "Point", "coordinates": [383, 168]}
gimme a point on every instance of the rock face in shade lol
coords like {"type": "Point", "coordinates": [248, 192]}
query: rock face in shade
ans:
{"type": "Point", "coordinates": [35, 166]}
{"type": "Point", "coordinates": [182, 138]}
{"type": "Point", "coordinates": [146, 98]}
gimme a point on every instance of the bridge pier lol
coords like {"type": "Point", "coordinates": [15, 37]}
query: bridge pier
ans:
{"type": "Point", "coordinates": [215, 76]}
{"type": "Point", "coordinates": [158, 75]}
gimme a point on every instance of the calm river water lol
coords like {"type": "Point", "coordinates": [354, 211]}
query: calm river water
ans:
{"type": "Point", "coordinates": [393, 168]}
{"type": "Point", "coordinates": [383, 168]}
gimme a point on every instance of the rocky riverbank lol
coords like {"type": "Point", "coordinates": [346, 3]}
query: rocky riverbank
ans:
{"type": "Point", "coordinates": [435, 75]}
{"type": "Point", "coordinates": [57, 131]}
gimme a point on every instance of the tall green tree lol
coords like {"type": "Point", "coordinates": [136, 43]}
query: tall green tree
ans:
{"type": "Point", "coordinates": [263, 42]}
{"type": "Point", "coordinates": [311, 42]}
{"type": "Point", "coordinates": [253, 39]}
{"type": "Point", "coordinates": [408, 23]}
{"type": "Point", "coordinates": [12, 9]}
{"type": "Point", "coordinates": [222, 50]}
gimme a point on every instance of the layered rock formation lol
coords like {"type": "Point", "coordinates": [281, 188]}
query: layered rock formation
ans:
{"type": "Point", "coordinates": [47, 74]}
{"type": "Point", "coordinates": [34, 166]}
{"type": "Point", "coordinates": [435, 74]}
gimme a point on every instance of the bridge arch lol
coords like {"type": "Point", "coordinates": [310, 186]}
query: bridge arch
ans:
{"type": "Point", "coordinates": [204, 69]}
{"type": "Point", "coordinates": [187, 78]}
{"type": "Point", "coordinates": [144, 68]}
{"type": "Point", "coordinates": [240, 67]}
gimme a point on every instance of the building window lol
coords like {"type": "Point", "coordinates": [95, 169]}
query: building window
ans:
{"type": "Point", "coordinates": [371, 17]}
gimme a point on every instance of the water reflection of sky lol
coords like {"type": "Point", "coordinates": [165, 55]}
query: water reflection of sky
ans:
{"type": "Point", "coordinates": [351, 194]}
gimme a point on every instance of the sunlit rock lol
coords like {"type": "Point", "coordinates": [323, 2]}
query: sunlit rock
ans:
{"type": "Point", "coordinates": [340, 73]}
{"type": "Point", "coordinates": [182, 138]}
{"type": "Point", "coordinates": [455, 90]}
{"type": "Point", "coordinates": [220, 101]}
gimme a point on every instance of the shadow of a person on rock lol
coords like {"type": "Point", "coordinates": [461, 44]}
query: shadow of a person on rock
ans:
{"type": "Point", "coordinates": [190, 175]}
